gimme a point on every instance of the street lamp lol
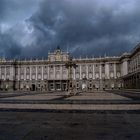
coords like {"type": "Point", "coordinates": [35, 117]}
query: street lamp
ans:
{"type": "Point", "coordinates": [69, 65]}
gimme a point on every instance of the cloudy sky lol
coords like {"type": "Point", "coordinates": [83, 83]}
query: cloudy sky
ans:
{"type": "Point", "coordinates": [32, 28]}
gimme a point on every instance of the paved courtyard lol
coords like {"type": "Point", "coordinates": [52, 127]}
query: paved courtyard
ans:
{"type": "Point", "coordinates": [68, 126]}
{"type": "Point", "coordinates": [81, 96]}
{"type": "Point", "coordinates": [57, 101]}
{"type": "Point", "coordinates": [87, 116]}
{"type": "Point", "coordinates": [83, 101]}
{"type": "Point", "coordinates": [99, 96]}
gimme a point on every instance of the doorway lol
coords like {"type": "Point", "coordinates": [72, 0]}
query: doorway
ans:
{"type": "Point", "coordinates": [64, 87]}
{"type": "Point", "coordinates": [58, 86]}
{"type": "Point", "coordinates": [33, 87]}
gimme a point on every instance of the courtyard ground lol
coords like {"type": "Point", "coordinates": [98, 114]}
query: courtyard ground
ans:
{"type": "Point", "coordinates": [88, 116]}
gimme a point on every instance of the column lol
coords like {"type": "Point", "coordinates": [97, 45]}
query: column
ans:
{"type": "Point", "coordinates": [107, 70]}
{"type": "Point", "coordinates": [17, 72]}
{"type": "Point", "coordinates": [36, 73]}
{"type": "Point", "coordinates": [30, 73]}
{"type": "Point", "coordinates": [54, 76]}
{"type": "Point", "coordinates": [67, 70]}
{"type": "Point", "coordinates": [100, 71]}
{"type": "Point", "coordinates": [80, 72]}
{"type": "Point", "coordinates": [100, 77]}
{"type": "Point", "coordinates": [74, 74]}
{"type": "Point", "coordinates": [10, 73]}
{"type": "Point", "coordinates": [24, 73]}
{"type": "Point", "coordinates": [5, 73]}
{"type": "Point", "coordinates": [115, 71]}
{"type": "Point", "coordinates": [41, 72]}
{"type": "Point", "coordinates": [48, 72]}
{"type": "Point", "coordinates": [93, 71]}
{"type": "Point", "coordinates": [61, 72]}
{"type": "Point", "coordinates": [87, 71]}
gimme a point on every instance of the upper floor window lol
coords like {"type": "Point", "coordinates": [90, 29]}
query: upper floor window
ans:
{"type": "Point", "coordinates": [51, 67]}
{"type": "Point", "coordinates": [27, 69]}
{"type": "Point", "coordinates": [111, 74]}
{"type": "Point", "coordinates": [57, 67]}
{"type": "Point", "coordinates": [111, 64]}
{"type": "Point", "coordinates": [90, 68]}
{"type": "Point", "coordinates": [33, 69]}
{"type": "Point", "coordinates": [103, 65]}
{"type": "Point", "coordinates": [2, 69]}
{"type": "Point", "coordinates": [22, 70]}
{"type": "Point", "coordinates": [97, 75]}
{"type": "Point", "coordinates": [39, 69]}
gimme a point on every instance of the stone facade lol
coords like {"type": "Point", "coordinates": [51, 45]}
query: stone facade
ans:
{"type": "Point", "coordinates": [131, 79]}
{"type": "Point", "coordinates": [90, 73]}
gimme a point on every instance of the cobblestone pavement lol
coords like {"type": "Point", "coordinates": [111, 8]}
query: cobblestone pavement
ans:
{"type": "Point", "coordinates": [68, 126]}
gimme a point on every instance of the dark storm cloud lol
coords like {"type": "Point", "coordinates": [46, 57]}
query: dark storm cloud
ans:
{"type": "Point", "coordinates": [12, 15]}
{"type": "Point", "coordinates": [15, 10]}
{"type": "Point", "coordinates": [8, 47]}
{"type": "Point", "coordinates": [84, 27]}
{"type": "Point", "coordinates": [89, 27]}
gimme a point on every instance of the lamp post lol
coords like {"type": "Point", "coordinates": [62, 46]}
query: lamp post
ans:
{"type": "Point", "coordinates": [69, 65]}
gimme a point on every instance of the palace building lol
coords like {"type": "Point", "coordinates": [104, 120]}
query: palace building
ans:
{"type": "Point", "coordinates": [89, 74]}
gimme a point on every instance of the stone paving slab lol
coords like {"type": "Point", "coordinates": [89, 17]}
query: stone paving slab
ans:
{"type": "Point", "coordinates": [69, 126]}
{"type": "Point", "coordinates": [35, 97]}
{"type": "Point", "coordinates": [133, 95]}
{"type": "Point", "coordinates": [98, 96]}
{"type": "Point", "coordinates": [45, 101]}
{"type": "Point", "coordinates": [18, 94]}
{"type": "Point", "coordinates": [81, 96]}
{"type": "Point", "coordinates": [71, 106]}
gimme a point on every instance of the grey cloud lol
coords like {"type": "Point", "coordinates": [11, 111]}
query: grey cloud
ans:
{"type": "Point", "coordinates": [13, 11]}
{"type": "Point", "coordinates": [77, 24]}
{"type": "Point", "coordinates": [84, 27]}
{"type": "Point", "coordinates": [9, 48]}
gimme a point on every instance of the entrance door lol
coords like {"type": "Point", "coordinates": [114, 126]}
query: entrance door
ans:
{"type": "Point", "coordinates": [64, 87]}
{"type": "Point", "coordinates": [33, 87]}
{"type": "Point", "coordinates": [51, 86]}
{"type": "Point", "coordinates": [58, 86]}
